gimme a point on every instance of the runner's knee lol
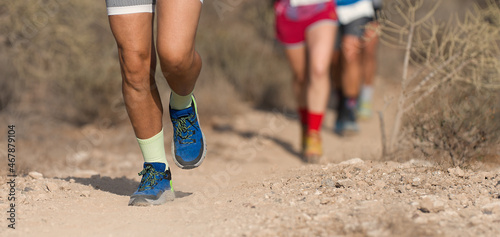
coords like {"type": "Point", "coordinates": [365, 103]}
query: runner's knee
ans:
{"type": "Point", "coordinates": [299, 77]}
{"type": "Point", "coordinates": [176, 61]}
{"type": "Point", "coordinates": [320, 71]}
{"type": "Point", "coordinates": [136, 67]}
{"type": "Point", "coordinates": [352, 55]}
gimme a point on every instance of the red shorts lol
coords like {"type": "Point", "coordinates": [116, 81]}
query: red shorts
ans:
{"type": "Point", "coordinates": [291, 32]}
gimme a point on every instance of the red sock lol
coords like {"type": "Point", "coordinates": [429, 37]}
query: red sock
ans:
{"type": "Point", "coordinates": [303, 115]}
{"type": "Point", "coordinates": [314, 121]}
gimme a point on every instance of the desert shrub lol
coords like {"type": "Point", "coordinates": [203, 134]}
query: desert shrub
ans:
{"type": "Point", "coordinates": [65, 56]}
{"type": "Point", "coordinates": [459, 123]}
{"type": "Point", "coordinates": [239, 47]}
{"type": "Point", "coordinates": [446, 64]}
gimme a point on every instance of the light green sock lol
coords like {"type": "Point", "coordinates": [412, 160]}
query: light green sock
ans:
{"type": "Point", "coordinates": [179, 102]}
{"type": "Point", "coordinates": [153, 149]}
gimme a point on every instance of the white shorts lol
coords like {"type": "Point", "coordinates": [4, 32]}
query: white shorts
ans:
{"type": "Point", "coordinates": [121, 7]}
{"type": "Point", "coordinates": [352, 12]}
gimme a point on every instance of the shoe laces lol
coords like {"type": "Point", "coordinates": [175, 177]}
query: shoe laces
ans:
{"type": "Point", "coordinates": [150, 178]}
{"type": "Point", "coordinates": [183, 125]}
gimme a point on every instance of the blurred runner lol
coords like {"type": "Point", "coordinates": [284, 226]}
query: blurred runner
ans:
{"type": "Point", "coordinates": [353, 17]}
{"type": "Point", "coordinates": [131, 22]}
{"type": "Point", "coordinates": [306, 28]}
{"type": "Point", "coordinates": [369, 64]}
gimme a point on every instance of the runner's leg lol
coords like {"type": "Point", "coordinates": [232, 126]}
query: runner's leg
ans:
{"type": "Point", "coordinates": [181, 65]}
{"type": "Point", "coordinates": [370, 53]}
{"type": "Point", "coordinates": [133, 31]}
{"type": "Point", "coordinates": [134, 37]}
{"type": "Point", "coordinates": [296, 56]}
{"type": "Point", "coordinates": [320, 48]}
{"type": "Point", "coordinates": [351, 62]}
{"type": "Point", "coordinates": [179, 61]}
{"type": "Point", "coordinates": [319, 38]}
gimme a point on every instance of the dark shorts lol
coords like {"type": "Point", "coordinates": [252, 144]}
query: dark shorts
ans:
{"type": "Point", "coordinates": [354, 28]}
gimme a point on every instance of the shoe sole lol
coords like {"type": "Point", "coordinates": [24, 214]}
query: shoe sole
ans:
{"type": "Point", "coordinates": [312, 159]}
{"type": "Point", "coordinates": [142, 201]}
{"type": "Point", "coordinates": [187, 167]}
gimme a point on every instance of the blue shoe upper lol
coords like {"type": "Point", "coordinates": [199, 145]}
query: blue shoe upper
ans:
{"type": "Point", "coordinates": [188, 139]}
{"type": "Point", "coordinates": [346, 117]}
{"type": "Point", "coordinates": [155, 180]}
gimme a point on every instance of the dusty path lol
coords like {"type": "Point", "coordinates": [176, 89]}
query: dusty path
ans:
{"type": "Point", "coordinates": [253, 184]}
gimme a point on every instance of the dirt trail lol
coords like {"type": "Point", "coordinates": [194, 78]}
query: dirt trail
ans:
{"type": "Point", "coordinates": [253, 184]}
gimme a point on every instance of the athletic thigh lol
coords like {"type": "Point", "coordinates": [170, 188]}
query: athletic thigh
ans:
{"type": "Point", "coordinates": [319, 44]}
{"type": "Point", "coordinates": [177, 24]}
{"type": "Point", "coordinates": [134, 36]}
{"type": "Point", "coordinates": [297, 58]}
{"type": "Point", "coordinates": [131, 22]}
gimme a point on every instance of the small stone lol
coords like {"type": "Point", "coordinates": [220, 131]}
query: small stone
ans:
{"type": "Point", "coordinates": [52, 187]}
{"type": "Point", "coordinates": [379, 184]}
{"type": "Point", "coordinates": [344, 183]}
{"type": "Point", "coordinates": [71, 180]}
{"type": "Point", "coordinates": [431, 204]}
{"type": "Point", "coordinates": [28, 189]}
{"type": "Point", "coordinates": [249, 205]}
{"type": "Point", "coordinates": [65, 186]}
{"type": "Point", "coordinates": [328, 182]}
{"type": "Point", "coordinates": [456, 172]}
{"type": "Point", "coordinates": [353, 161]}
{"type": "Point", "coordinates": [307, 217]}
{"type": "Point", "coordinates": [420, 163]}
{"type": "Point", "coordinates": [85, 193]}
{"type": "Point", "coordinates": [35, 175]}
{"type": "Point", "coordinates": [362, 184]}
{"type": "Point", "coordinates": [466, 213]}
{"type": "Point", "coordinates": [475, 221]}
{"type": "Point", "coordinates": [277, 186]}
{"type": "Point", "coordinates": [41, 197]}
{"type": "Point", "coordinates": [492, 208]}
{"type": "Point", "coordinates": [435, 182]}
{"type": "Point", "coordinates": [325, 201]}
{"type": "Point", "coordinates": [321, 217]}
{"type": "Point", "coordinates": [416, 182]}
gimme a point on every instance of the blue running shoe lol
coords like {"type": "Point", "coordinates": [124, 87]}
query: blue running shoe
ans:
{"type": "Point", "coordinates": [346, 124]}
{"type": "Point", "coordinates": [155, 187]}
{"type": "Point", "coordinates": [188, 146]}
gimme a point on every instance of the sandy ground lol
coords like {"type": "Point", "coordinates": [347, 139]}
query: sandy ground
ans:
{"type": "Point", "coordinates": [251, 184]}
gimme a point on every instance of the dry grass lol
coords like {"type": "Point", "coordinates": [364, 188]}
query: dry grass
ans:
{"type": "Point", "coordinates": [64, 58]}
{"type": "Point", "coordinates": [239, 49]}
{"type": "Point", "coordinates": [452, 62]}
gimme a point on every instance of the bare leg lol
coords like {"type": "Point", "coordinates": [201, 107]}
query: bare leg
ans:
{"type": "Point", "coordinates": [370, 53]}
{"type": "Point", "coordinates": [351, 62]}
{"type": "Point", "coordinates": [177, 24]}
{"type": "Point", "coordinates": [336, 70]}
{"type": "Point", "coordinates": [134, 37]}
{"type": "Point", "coordinates": [181, 65]}
{"type": "Point", "coordinates": [297, 59]}
{"type": "Point", "coordinates": [320, 47]}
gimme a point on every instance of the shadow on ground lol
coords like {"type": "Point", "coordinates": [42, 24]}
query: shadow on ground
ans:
{"type": "Point", "coordinates": [251, 134]}
{"type": "Point", "coordinates": [120, 186]}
